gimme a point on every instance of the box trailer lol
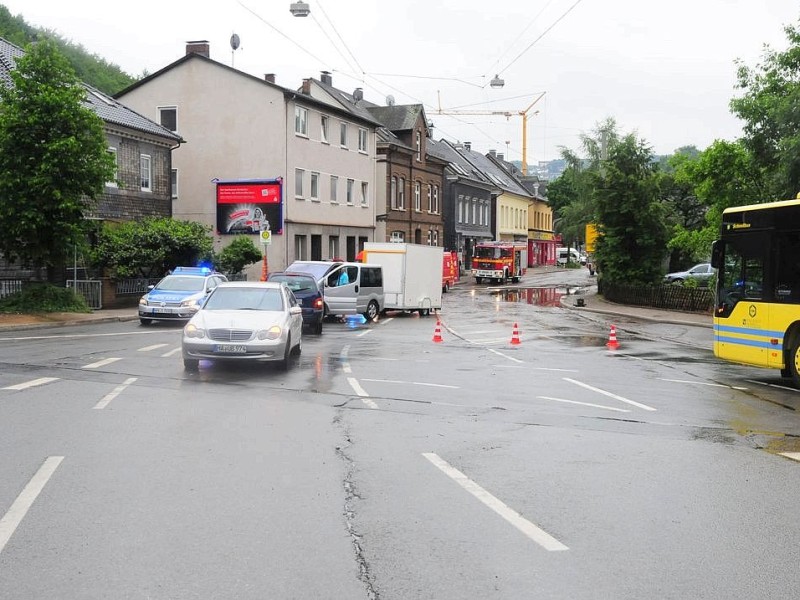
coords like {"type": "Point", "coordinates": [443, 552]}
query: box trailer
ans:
{"type": "Point", "coordinates": [412, 275]}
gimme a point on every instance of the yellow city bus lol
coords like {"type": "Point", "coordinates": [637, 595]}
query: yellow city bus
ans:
{"type": "Point", "coordinates": [757, 308]}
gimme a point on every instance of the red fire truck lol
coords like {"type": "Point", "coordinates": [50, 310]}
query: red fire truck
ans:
{"type": "Point", "coordinates": [500, 261]}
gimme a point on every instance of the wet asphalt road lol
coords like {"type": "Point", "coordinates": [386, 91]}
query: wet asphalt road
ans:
{"type": "Point", "coordinates": [388, 465]}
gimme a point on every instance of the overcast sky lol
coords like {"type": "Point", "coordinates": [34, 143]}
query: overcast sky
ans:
{"type": "Point", "coordinates": [663, 69]}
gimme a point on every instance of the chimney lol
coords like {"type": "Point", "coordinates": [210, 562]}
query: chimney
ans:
{"type": "Point", "coordinates": [501, 157]}
{"type": "Point", "coordinates": [326, 78]}
{"type": "Point", "coordinates": [493, 153]}
{"type": "Point", "coordinates": [306, 89]}
{"type": "Point", "coordinates": [270, 77]}
{"type": "Point", "coordinates": [201, 47]}
{"type": "Point", "coordinates": [468, 146]}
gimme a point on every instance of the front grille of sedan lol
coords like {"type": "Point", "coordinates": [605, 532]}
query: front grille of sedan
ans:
{"type": "Point", "coordinates": [230, 335]}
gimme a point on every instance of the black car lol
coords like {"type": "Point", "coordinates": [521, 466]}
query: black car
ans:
{"type": "Point", "coordinates": [309, 295]}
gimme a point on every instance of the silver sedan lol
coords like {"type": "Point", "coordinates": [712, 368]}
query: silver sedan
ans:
{"type": "Point", "coordinates": [244, 321]}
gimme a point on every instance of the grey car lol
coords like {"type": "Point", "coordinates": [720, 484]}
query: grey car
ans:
{"type": "Point", "coordinates": [701, 273]}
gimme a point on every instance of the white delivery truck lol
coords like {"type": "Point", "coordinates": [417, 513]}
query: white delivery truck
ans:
{"type": "Point", "coordinates": [412, 275]}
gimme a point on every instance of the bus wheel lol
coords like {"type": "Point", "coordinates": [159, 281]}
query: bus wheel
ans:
{"type": "Point", "coordinates": [794, 362]}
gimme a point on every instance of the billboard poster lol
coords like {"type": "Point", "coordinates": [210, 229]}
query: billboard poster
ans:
{"type": "Point", "coordinates": [246, 205]}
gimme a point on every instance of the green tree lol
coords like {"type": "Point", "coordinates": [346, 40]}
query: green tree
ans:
{"type": "Point", "coordinates": [770, 109]}
{"type": "Point", "coordinates": [150, 247]}
{"type": "Point", "coordinates": [53, 160]}
{"type": "Point", "coordinates": [234, 257]}
{"type": "Point", "coordinates": [631, 218]}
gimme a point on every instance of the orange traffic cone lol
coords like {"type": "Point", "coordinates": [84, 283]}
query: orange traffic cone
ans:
{"type": "Point", "coordinates": [437, 333]}
{"type": "Point", "coordinates": [515, 336]}
{"type": "Point", "coordinates": [612, 344]}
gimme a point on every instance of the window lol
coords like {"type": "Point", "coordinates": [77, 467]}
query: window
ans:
{"type": "Point", "coordinates": [174, 184]}
{"type": "Point", "coordinates": [144, 172]}
{"type": "Point", "coordinates": [430, 198]}
{"type": "Point", "coordinates": [393, 192]}
{"type": "Point", "coordinates": [419, 146]}
{"type": "Point", "coordinates": [436, 199]}
{"type": "Point", "coordinates": [430, 237]}
{"type": "Point", "coordinates": [417, 196]}
{"type": "Point", "coordinates": [168, 117]}
{"type": "Point", "coordinates": [362, 140]}
{"type": "Point", "coordinates": [301, 120]}
{"type": "Point", "coordinates": [343, 135]}
{"type": "Point", "coordinates": [364, 194]}
{"type": "Point", "coordinates": [401, 194]}
{"type": "Point", "coordinates": [398, 237]}
{"type": "Point", "coordinates": [350, 191]}
{"type": "Point", "coordinates": [323, 129]}
{"type": "Point", "coordinates": [460, 208]}
{"type": "Point", "coordinates": [113, 182]}
{"type": "Point", "coordinates": [334, 185]}
{"type": "Point", "coordinates": [299, 175]}
{"type": "Point", "coordinates": [300, 246]}
{"type": "Point", "coordinates": [314, 186]}
{"type": "Point", "coordinates": [333, 247]}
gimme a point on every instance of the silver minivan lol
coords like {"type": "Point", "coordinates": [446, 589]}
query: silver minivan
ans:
{"type": "Point", "coordinates": [349, 288]}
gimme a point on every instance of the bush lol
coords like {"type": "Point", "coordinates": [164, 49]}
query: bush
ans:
{"type": "Point", "coordinates": [234, 257]}
{"type": "Point", "coordinates": [44, 297]}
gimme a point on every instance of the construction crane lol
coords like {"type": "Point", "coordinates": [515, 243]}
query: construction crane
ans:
{"type": "Point", "coordinates": [507, 114]}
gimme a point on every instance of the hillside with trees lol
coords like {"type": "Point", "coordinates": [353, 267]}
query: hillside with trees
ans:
{"type": "Point", "coordinates": [89, 68]}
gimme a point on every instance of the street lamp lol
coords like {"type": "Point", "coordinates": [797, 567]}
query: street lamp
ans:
{"type": "Point", "coordinates": [496, 82]}
{"type": "Point", "coordinates": [299, 9]}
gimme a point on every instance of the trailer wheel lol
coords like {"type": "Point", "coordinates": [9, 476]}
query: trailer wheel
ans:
{"type": "Point", "coordinates": [424, 312]}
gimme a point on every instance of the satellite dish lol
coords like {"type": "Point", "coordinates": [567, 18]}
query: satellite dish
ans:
{"type": "Point", "coordinates": [358, 94]}
{"type": "Point", "coordinates": [235, 41]}
{"type": "Point", "coordinates": [389, 100]}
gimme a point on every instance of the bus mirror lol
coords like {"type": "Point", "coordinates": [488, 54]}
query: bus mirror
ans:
{"type": "Point", "coordinates": [716, 254]}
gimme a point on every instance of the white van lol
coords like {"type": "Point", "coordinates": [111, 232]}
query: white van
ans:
{"type": "Point", "coordinates": [348, 288]}
{"type": "Point", "coordinates": [572, 253]}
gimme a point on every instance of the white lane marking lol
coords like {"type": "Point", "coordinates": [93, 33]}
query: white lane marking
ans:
{"type": "Point", "coordinates": [101, 363]}
{"type": "Point", "coordinates": [153, 347]}
{"type": "Point", "coordinates": [529, 368]}
{"type": "Point", "coordinates": [75, 335]}
{"type": "Point", "coordinates": [365, 332]}
{"type": "Point", "coordinates": [386, 320]}
{"type": "Point", "coordinates": [609, 394]}
{"type": "Point", "coordinates": [504, 356]}
{"type": "Point", "coordinates": [360, 391]}
{"type": "Point", "coordinates": [440, 385]}
{"type": "Point", "coordinates": [780, 387]}
{"type": "Point", "coordinates": [709, 384]}
{"type": "Point", "coordinates": [113, 394]}
{"type": "Point", "coordinates": [584, 404]}
{"type": "Point", "coordinates": [538, 535]}
{"type": "Point", "coordinates": [171, 352]}
{"type": "Point", "coordinates": [792, 455]}
{"type": "Point", "coordinates": [26, 498]}
{"type": "Point", "coordinates": [343, 359]}
{"type": "Point", "coordinates": [31, 383]}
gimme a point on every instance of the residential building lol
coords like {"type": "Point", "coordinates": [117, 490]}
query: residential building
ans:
{"type": "Point", "coordinates": [410, 182]}
{"type": "Point", "coordinates": [243, 128]}
{"type": "Point", "coordinates": [467, 201]}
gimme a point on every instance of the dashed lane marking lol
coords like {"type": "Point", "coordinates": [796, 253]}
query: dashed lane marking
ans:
{"type": "Point", "coordinates": [534, 532]}
{"type": "Point", "coordinates": [116, 392]}
{"type": "Point", "coordinates": [26, 498]}
{"type": "Point", "coordinates": [32, 383]}
{"type": "Point", "coordinates": [100, 363]}
{"type": "Point", "coordinates": [610, 394]}
{"type": "Point", "coordinates": [792, 455]}
{"type": "Point", "coordinates": [360, 391]}
{"type": "Point", "coordinates": [153, 347]}
{"type": "Point", "coordinates": [172, 352]}
{"type": "Point", "coordinates": [589, 404]}
{"type": "Point", "coordinates": [707, 383]}
{"type": "Point", "coordinates": [439, 385]}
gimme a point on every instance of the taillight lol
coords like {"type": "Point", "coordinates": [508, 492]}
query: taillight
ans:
{"type": "Point", "coordinates": [318, 303]}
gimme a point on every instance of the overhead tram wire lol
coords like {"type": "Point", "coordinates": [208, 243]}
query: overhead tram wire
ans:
{"type": "Point", "coordinates": [336, 31]}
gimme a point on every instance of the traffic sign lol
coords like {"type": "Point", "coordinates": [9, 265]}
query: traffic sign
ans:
{"type": "Point", "coordinates": [266, 237]}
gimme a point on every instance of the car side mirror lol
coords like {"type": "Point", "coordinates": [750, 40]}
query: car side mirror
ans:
{"type": "Point", "coordinates": [295, 310]}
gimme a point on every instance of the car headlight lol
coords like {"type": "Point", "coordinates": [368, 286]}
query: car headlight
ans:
{"type": "Point", "coordinates": [273, 333]}
{"type": "Point", "coordinates": [191, 303]}
{"type": "Point", "coordinates": [193, 331]}
{"type": "Point", "coordinates": [143, 301]}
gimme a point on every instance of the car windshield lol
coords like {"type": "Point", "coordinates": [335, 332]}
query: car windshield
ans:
{"type": "Point", "coordinates": [317, 270]}
{"type": "Point", "coordinates": [296, 283]}
{"type": "Point", "coordinates": [245, 298]}
{"type": "Point", "coordinates": [178, 283]}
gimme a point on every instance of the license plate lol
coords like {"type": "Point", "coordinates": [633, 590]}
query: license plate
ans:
{"type": "Point", "coordinates": [230, 349]}
{"type": "Point", "coordinates": [162, 311]}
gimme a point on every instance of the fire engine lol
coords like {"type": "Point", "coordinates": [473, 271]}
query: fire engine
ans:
{"type": "Point", "coordinates": [499, 260]}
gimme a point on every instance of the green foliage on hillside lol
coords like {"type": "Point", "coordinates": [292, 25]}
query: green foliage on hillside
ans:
{"type": "Point", "coordinates": [88, 67]}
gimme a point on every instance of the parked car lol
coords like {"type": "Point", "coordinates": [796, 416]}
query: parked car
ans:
{"type": "Point", "coordinates": [318, 268]}
{"type": "Point", "coordinates": [245, 321]}
{"type": "Point", "coordinates": [701, 273]}
{"type": "Point", "coordinates": [308, 294]}
{"type": "Point", "coordinates": [178, 295]}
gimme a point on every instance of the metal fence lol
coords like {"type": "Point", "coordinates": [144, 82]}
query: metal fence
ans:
{"type": "Point", "coordinates": [10, 286]}
{"type": "Point", "coordinates": [669, 297]}
{"type": "Point", "coordinates": [138, 286]}
{"type": "Point", "coordinates": [91, 290]}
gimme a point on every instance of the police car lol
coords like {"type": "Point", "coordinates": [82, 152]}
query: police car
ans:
{"type": "Point", "coordinates": [178, 296]}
